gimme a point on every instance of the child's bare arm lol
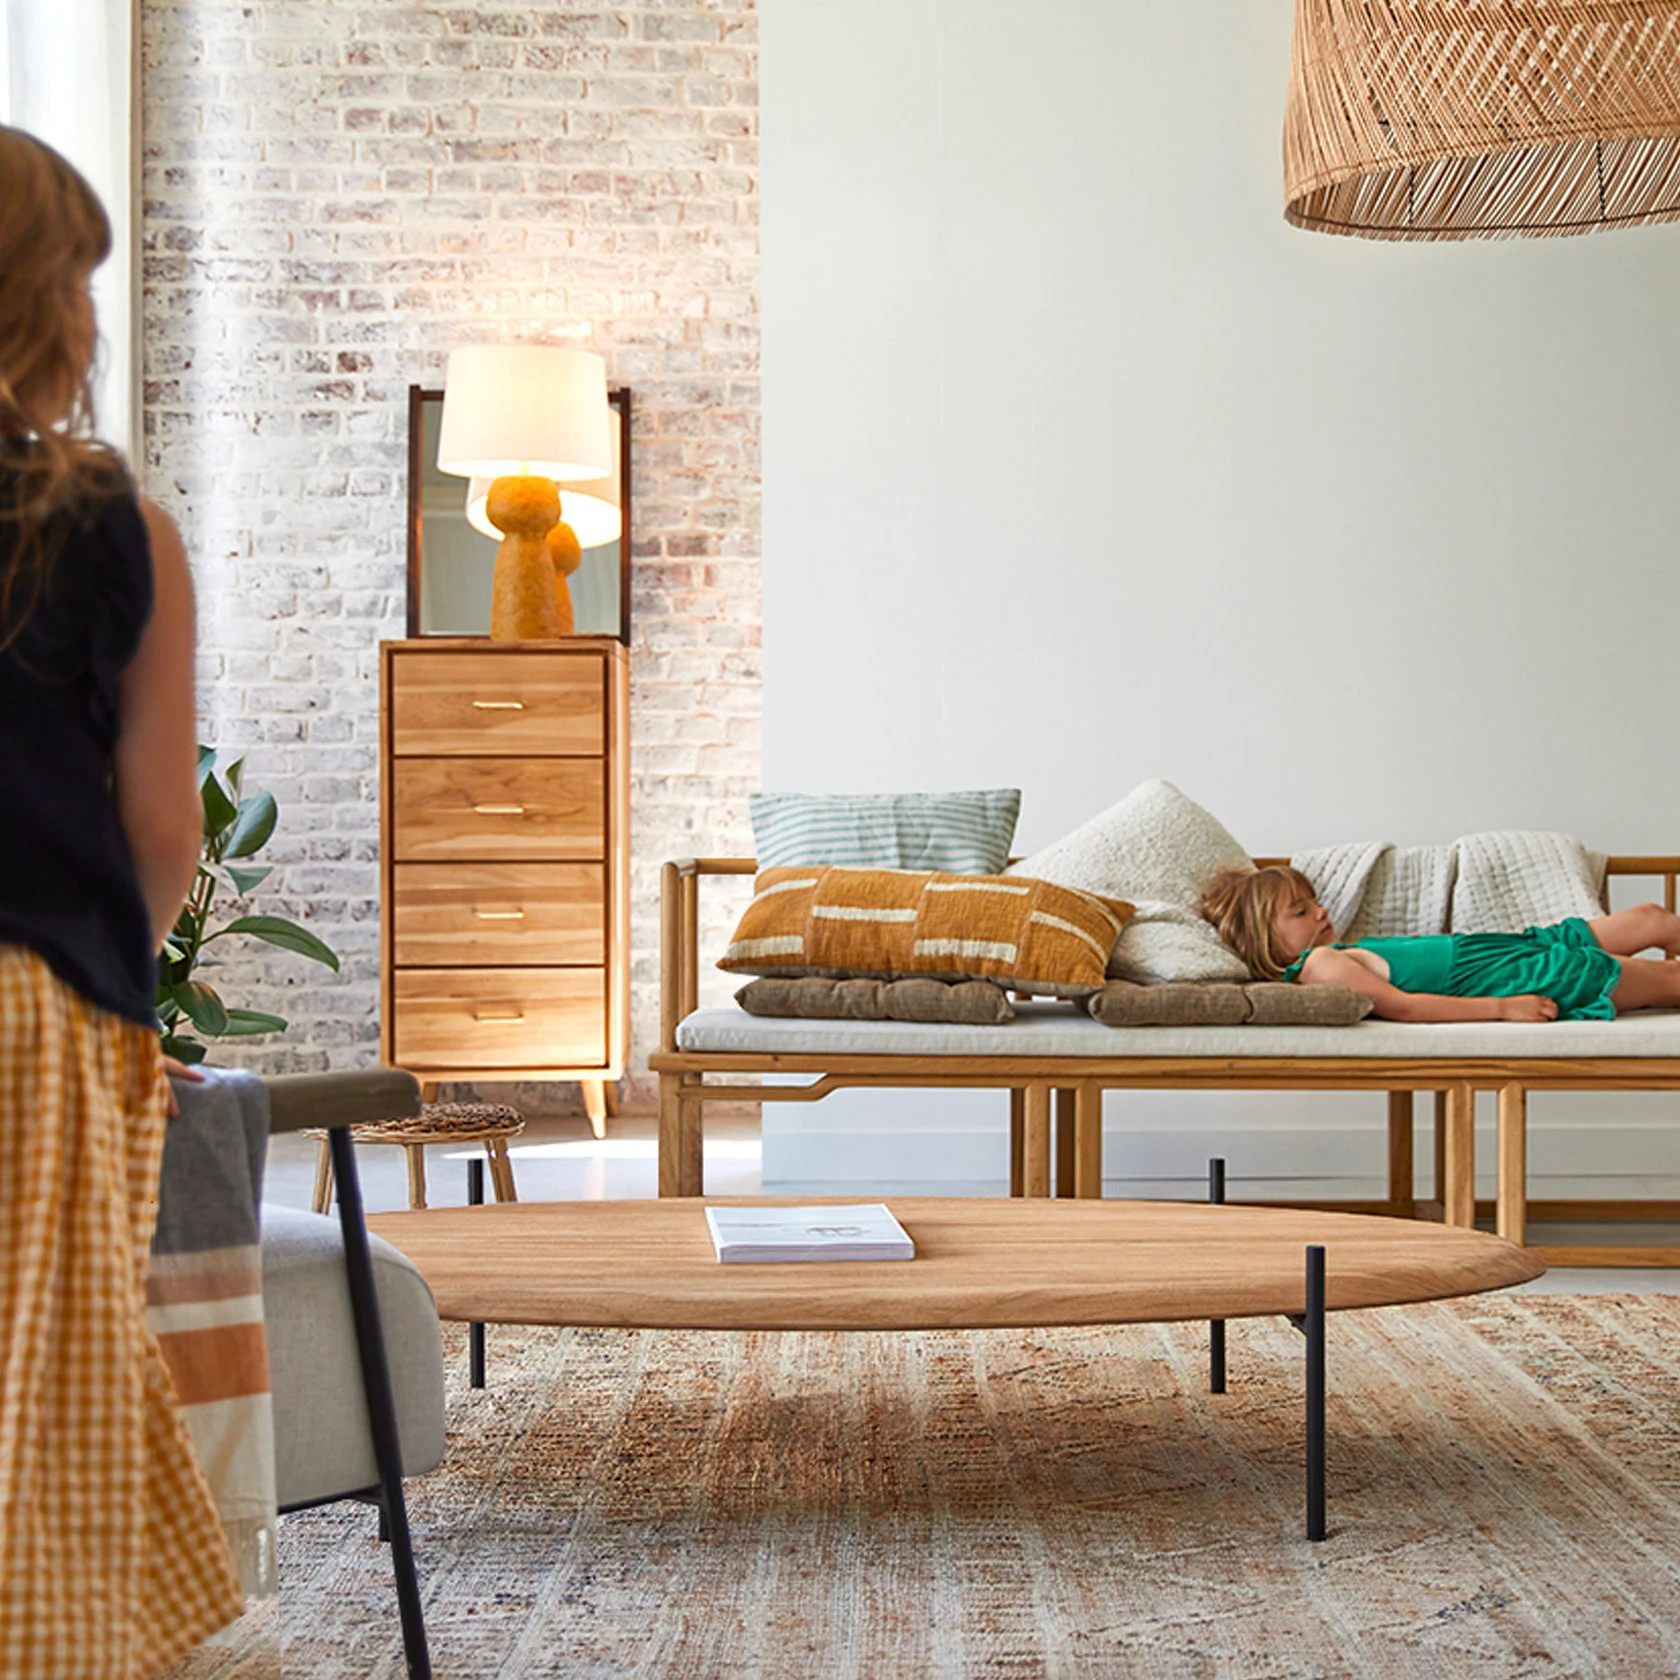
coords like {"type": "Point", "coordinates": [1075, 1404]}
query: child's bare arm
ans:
{"type": "Point", "coordinates": [1336, 968]}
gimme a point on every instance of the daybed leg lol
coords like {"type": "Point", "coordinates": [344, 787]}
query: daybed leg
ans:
{"type": "Point", "coordinates": [1017, 1138]}
{"type": "Point", "coordinates": [1511, 1218]}
{"type": "Point", "coordinates": [1035, 1146]}
{"type": "Point", "coordinates": [1440, 1190]}
{"type": "Point", "coordinates": [691, 1108]}
{"type": "Point", "coordinates": [1401, 1190]}
{"type": "Point", "coordinates": [1087, 1132]}
{"type": "Point", "coordinates": [1460, 1189]}
{"type": "Point", "coordinates": [1216, 1326]}
{"type": "Point", "coordinates": [1065, 1140]}
{"type": "Point", "coordinates": [670, 1134]}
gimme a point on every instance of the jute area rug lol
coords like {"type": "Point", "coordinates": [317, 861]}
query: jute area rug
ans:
{"type": "Point", "coordinates": [1502, 1481]}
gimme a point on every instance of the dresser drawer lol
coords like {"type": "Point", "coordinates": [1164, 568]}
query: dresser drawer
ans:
{"type": "Point", "coordinates": [497, 703]}
{"type": "Point", "coordinates": [499, 1017]}
{"type": "Point", "coordinates": [491, 809]}
{"type": "Point", "coordinates": [498, 913]}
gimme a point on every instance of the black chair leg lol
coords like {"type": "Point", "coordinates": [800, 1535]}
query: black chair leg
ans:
{"type": "Point", "coordinates": [382, 1412]}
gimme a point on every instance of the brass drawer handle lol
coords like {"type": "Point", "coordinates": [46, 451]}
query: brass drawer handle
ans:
{"type": "Point", "coordinates": [498, 1020]}
{"type": "Point", "coordinates": [500, 915]}
{"type": "Point", "coordinates": [499, 705]}
{"type": "Point", "coordinates": [500, 810]}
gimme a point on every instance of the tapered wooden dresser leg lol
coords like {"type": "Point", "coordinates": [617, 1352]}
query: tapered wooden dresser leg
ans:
{"type": "Point", "coordinates": [595, 1105]}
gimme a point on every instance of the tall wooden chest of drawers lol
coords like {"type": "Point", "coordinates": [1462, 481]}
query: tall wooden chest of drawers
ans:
{"type": "Point", "coordinates": [504, 861]}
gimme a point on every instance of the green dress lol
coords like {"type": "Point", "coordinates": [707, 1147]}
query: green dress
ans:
{"type": "Point", "coordinates": [1565, 963]}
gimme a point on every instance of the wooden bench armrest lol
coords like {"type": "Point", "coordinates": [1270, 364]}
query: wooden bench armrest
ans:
{"type": "Point", "coordinates": [679, 936]}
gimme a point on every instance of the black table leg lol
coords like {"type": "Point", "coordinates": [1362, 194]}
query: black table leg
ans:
{"type": "Point", "coordinates": [475, 1332]}
{"type": "Point", "coordinates": [1216, 1327]}
{"type": "Point", "coordinates": [1312, 1326]}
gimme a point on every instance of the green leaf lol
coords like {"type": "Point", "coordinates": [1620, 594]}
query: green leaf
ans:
{"type": "Point", "coordinates": [237, 881]}
{"type": "Point", "coordinates": [245, 1023]}
{"type": "Point", "coordinates": [187, 1050]}
{"type": "Point", "coordinates": [287, 935]}
{"type": "Point", "coordinates": [234, 775]}
{"type": "Point", "coordinates": [202, 1007]}
{"type": "Point", "coordinates": [206, 762]}
{"type": "Point", "coordinates": [219, 810]}
{"type": "Point", "coordinates": [256, 818]}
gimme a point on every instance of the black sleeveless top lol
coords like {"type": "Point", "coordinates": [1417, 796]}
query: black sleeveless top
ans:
{"type": "Point", "coordinates": [68, 888]}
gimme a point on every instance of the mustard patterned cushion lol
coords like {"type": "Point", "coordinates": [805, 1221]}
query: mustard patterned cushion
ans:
{"type": "Point", "coordinates": [885, 923]}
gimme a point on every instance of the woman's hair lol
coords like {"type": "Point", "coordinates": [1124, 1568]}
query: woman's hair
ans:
{"type": "Point", "coordinates": [53, 234]}
{"type": "Point", "coordinates": [1241, 904]}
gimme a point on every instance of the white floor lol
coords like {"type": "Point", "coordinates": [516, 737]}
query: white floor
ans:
{"type": "Point", "coordinates": [558, 1160]}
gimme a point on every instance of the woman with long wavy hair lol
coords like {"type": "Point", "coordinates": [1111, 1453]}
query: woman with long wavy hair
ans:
{"type": "Point", "coordinates": [112, 1561]}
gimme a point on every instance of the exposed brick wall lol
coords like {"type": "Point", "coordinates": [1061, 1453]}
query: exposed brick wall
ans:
{"type": "Point", "coordinates": [336, 194]}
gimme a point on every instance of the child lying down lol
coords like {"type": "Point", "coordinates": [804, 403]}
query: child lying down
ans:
{"type": "Point", "coordinates": [1574, 971]}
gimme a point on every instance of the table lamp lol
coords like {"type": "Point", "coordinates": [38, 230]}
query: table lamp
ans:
{"type": "Point", "coordinates": [523, 416]}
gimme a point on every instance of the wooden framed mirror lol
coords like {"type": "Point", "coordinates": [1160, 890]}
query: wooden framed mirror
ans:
{"type": "Point", "coordinates": [450, 560]}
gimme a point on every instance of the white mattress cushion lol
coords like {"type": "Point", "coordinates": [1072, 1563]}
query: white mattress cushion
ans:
{"type": "Point", "coordinates": [1057, 1030]}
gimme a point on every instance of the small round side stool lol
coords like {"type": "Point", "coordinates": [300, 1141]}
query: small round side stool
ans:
{"type": "Point", "coordinates": [491, 1124]}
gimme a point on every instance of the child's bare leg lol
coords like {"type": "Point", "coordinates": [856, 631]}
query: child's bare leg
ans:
{"type": "Point", "coordinates": [1644, 927]}
{"type": "Point", "coordinates": [1646, 984]}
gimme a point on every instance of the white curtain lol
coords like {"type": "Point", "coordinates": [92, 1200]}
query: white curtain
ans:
{"type": "Point", "coordinates": [67, 76]}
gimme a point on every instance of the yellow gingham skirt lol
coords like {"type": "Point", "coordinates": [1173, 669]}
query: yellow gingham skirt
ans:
{"type": "Point", "coordinates": [112, 1561]}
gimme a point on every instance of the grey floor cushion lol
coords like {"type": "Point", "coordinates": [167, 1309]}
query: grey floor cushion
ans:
{"type": "Point", "coordinates": [322, 1445]}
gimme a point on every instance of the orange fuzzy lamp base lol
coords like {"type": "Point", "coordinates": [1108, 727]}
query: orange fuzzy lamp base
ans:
{"type": "Point", "coordinates": [524, 597]}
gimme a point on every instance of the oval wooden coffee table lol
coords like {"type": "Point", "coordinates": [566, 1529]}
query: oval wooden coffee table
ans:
{"type": "Point", "coordinates": [980, 1264]}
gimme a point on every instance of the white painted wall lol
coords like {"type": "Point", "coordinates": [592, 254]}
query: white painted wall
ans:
{"type": "Point", "coordinates": [1081, 466]}
{"type": "Point", "coordinates": [67, 76]}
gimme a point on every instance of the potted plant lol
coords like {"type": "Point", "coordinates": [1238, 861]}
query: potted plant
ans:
{"type": "Point", "coordinates": [237, 824]}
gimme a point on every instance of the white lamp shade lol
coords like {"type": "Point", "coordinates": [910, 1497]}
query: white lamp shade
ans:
{"type": "Point", "coordinates": [524, 408]}
{"type": "Point", "coordinates": [589, 506]}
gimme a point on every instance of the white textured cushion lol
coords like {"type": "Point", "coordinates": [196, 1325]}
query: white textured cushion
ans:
{"type": "Point", "coordinates": [1159, 850]}
{"type": "Point", "coordinates": [1055, 1029]}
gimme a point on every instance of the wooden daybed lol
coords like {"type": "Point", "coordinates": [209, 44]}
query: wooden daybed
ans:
{"type": "Point", "coordinates": [1056, 1063]}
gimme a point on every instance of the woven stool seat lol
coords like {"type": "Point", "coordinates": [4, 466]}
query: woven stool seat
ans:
{"type": "Point", "coordinates": [442, 1123]}
{"type": "Point", "coordinates": [459, 1122]}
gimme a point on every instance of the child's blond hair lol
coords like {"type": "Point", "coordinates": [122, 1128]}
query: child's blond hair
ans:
{"type": "Point", "coordinates": [1241, 904]}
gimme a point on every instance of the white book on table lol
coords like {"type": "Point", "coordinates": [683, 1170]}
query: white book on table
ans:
{"type": "Point", "coordinates": [864, 1232]}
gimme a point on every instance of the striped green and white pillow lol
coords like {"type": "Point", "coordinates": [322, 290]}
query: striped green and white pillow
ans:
{"type": "Point", "coordinates": [957, 833]}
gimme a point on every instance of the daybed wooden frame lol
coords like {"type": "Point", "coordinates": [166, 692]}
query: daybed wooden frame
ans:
{"type": "Point", "coordinates": [1065, 1158]}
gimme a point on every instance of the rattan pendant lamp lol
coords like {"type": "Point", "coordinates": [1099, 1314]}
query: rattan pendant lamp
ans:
{"type": "Point", "coordinates": [1482, 119]}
